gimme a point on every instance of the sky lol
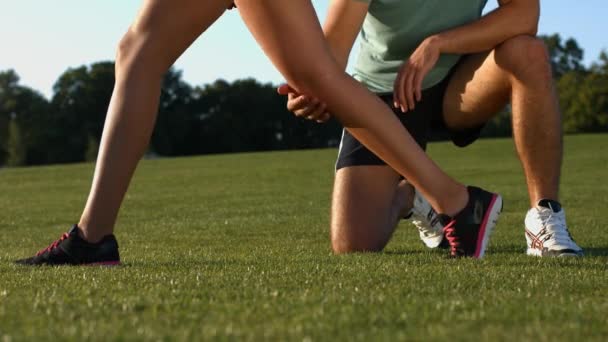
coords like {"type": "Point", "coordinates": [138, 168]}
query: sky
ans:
{"type": "Point", "coordinates": [40, 39]}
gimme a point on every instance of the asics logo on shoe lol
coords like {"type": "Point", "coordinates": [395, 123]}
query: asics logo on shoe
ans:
{"type": "Point", "coordinates": [537, 241]}
{"type": "Point", "coordinates": [547, 233]}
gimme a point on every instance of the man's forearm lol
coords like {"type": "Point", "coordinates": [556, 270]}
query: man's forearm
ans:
{"type": "Point", "coordinates": [341, 27]}
{"type": "Point", "coordinates": [339, 54]}
{"type": "Point", "coordinates": [340, 47]}
{"type": "Point", "coordinates": [509, 20]}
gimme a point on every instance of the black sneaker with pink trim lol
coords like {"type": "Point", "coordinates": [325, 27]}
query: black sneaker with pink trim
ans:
{"type": "Point", "coordinates": [468, 233]}
{"type": "Point", "coordinates": [71, 249]}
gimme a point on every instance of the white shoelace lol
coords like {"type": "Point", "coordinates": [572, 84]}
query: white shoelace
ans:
{"type": "Point", "coordinates": [423, 228]}
{"type": "Point", "coordinates": [424, 217]}
{"type": "Point", "coordinates": [554, 231]}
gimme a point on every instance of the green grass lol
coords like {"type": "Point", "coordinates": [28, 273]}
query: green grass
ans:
{"type": "Point", "coordinates": [236, 247]}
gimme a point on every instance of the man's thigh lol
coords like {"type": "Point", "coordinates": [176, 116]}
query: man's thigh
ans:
{"type": "Point", "coordinates": [478, 89]}
{"type": "Point", "coordinates": [361, 207]}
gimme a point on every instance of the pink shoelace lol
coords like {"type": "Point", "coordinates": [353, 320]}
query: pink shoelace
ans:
{"type": "Point", "coordinates": [54, 244]}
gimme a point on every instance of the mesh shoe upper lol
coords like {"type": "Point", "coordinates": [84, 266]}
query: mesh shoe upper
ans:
{"type": "Point", "coordinates": [547, 233]}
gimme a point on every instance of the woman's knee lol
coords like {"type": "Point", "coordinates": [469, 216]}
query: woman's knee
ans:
{"type": "Point", "coordinates": [126, 53]}
{"type": "Point", "coordinates": [134, 54]}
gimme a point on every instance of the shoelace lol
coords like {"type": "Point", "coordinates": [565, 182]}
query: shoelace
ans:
{"type": "Point", "coordinates": [54, 244]}
{"type": "Point", "coordinates": [422, 228]}
{"type": "Point", "coordinates": [555, 226]}
{"type": "Point", "coordinates": [426, 222]}
{"type": "Point", "coordinates": [450, 234]}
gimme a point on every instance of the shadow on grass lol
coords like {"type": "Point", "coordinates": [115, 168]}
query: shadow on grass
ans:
{"type": "Point", "coordinates": [502, 249]}
{"type": "Point", "coordinates": [519, 250]}
{"type": "Point", "coordinates": [507, 249]}
{"type": "Point", "coordinates": [596, 251]}
{"type": "Point", "coordinates": [515, 255]}
{"type": "Point", "coordinates": [180, 262]}
{"type": "Point", "coordinates": [403, 251]}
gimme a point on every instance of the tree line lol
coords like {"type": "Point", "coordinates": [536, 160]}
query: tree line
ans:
{"type": "Point", "coordinates": [224, 117]}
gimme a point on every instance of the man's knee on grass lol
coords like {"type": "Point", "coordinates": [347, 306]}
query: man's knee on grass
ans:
{"type": "Point", "coordinates": [349, 240]}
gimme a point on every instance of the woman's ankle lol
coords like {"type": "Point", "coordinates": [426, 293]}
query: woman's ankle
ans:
{"type": "Point", "coordinates": [453, 201]}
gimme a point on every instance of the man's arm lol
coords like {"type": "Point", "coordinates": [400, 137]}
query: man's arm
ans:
{"type": "Point", "coordinates": [341, 28]}
{"type": "Point", "coordinates": [510, 19]}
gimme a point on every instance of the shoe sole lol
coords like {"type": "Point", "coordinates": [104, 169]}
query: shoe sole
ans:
{"type": "Point", "coordinates": [433, 242]}
{"type": "Point", "coordinates": [539, 254]}
{"type": "Point", "coordinates": [487, 226]}
{"type": "Point", "coordinates": [94, 264]}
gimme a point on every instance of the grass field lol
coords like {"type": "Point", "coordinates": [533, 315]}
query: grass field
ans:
{"type": "Point", "coordinates": [236, 247]}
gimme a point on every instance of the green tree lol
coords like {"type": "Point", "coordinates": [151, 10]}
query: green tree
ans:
{"type": "Point", "coordinates": [173, 130]}
{"type": "Point", "coordinates": [92, 149]}
{"type": "Point", "coordinates": [16, 145]}
{"type": "Point", "coordinates": [500, 125]}
{"type": "Point", "coordinates": [584, 98]}
{"type": "Point", "coordinates": [8, 88]}
{"type": "Point", "coordinates": [31, 110]}
{"type": "Point", "coordinates": [249, 116]}
{"type": "Point", "coordinates": [601, 66]}
{"type": "Point", "coordinates": [566, 56]}
{"type": "Point", "coordinates": [79, 105]}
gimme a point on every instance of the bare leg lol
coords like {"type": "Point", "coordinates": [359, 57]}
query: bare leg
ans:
{"type": "Point", "coordinates": [310, 68]}
{"type": "Point", "coordinates": [367, 204]}
{"type": "Point", "coordinates": [518, 69]}
{"type": "Point", "coordinates": [162, 31]}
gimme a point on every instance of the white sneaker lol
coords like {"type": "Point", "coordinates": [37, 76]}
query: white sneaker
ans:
{"type": "Point", "coordinates": [426, 220]}
{"type": "Point", "coordinates": [547, 233]}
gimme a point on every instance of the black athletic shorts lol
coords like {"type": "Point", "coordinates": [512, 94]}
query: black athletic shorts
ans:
{"type": "Point", "coordinates": [425, 121]}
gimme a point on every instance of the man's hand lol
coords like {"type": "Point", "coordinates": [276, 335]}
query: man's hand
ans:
{"type": "Point", "coordinates": [304, 106]}
{"type": "Point", "coordinates": [408, 84]}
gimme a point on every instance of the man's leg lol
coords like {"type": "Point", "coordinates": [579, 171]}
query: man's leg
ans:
{"type": "Point", "coordinates": [368, 202]}
{"type": "Point", "coordinates": [519, 70]}
{"type": "Point", "coordinates": [370, 198]}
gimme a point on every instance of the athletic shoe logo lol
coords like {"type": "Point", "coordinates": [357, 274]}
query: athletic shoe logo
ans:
{"type": "Point", "coordinates": [478, 212]}
{"type": "Point", "coordinates": [537, 241]}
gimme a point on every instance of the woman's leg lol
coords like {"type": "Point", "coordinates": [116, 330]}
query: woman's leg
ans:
{"type": "Point", "coordinates": [289, 33]}
{"type": "Point", "coordinates": [162, 31]}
